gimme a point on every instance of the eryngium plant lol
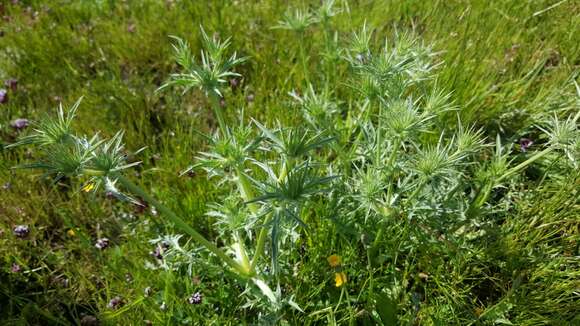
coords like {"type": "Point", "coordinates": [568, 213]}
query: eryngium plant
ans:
{"type": "Point", "coordinates": [376, 155]}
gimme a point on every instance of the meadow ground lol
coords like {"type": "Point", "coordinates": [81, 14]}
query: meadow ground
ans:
{"type": "Point", "coordinates": [509, 257]}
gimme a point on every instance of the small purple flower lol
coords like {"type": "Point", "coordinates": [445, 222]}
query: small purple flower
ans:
{"type": "Point", "coordinates": [21, 231]}
{"type": "Point", "coordinates": [15, 268]}
{"type": "Point", "coordinates": [20, 124]}
{"type": "Point", "coordinates": [3, 96]}
{"type": "Point", "coordinates": [234, 83]}
{"type": "Point", "coordinates": [115, 303]}
{"type": "Point", "coordinates": [525, 143]}
{"type": "Point", "coordinates": [102, 243]}
{"type": "Point", "coordinates": [195, 298]}
{"type": "Point", "coordinates": [12, 84]}
{"type": "Point", "coordinates": [158, 253]}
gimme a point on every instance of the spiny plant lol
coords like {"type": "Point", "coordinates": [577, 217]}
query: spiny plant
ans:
{"type": "Point", "coordinates": [263, 207]}
{"type": "Point", "coordinates": [209, 75]}
{"type": "Point", "coordinates": [388, 163]}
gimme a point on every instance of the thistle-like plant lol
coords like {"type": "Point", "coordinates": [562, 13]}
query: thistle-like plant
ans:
{"type": "Point", "coordinates": [391, 165]}
{"type": "Point", "coordinates": [296, 20]}
{"type": "Point", "coordinates": [213, 70]}
{"type": "Point", "coordinates": [359, 50]}
{"type": "Point", "coordinates": [49, 131]}
{"type": "Point", "coordinates": [270, 199]}
{"type": "Point", "coordinates": [103, 162]}
{"type": "Point", "coordinates": [210, 74]}
{"type": "Point", "coordinates": [387, 73]}
{"type": "Point", "coordinates": [327, 10]}
{"type": "Point", "coordinates": [317, 107]}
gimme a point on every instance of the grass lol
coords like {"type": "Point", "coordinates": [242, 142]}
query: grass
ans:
{"type": "Point", "coordinates": [508, 65]}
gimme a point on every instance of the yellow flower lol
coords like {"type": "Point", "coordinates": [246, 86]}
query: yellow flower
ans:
{"type": "Point", "coordinates": [71, 233]}
{"type": "Point", "coordinates": [479, 311]}
{"type": "Point", "coordinates": [334, 260]}
{"type": "Point", "coordinates": [88, 187]}
{"type": "Point", "coordinates": [340, 279]}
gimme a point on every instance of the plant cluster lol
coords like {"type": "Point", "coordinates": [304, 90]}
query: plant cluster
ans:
{"type": "Point", "coordinates": [384, 160]}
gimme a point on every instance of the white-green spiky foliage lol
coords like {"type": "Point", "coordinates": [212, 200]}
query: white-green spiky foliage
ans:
{"type": "Point", "coordinates": [386, 161]}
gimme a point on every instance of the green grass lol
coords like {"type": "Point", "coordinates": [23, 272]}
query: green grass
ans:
{"type": "Point", "coordinates": [507, 64]}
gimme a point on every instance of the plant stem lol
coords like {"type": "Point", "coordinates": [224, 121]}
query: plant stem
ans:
{"type": "Point", "coordinates": [247, 194]}
{"type": "Point", "coordinates": [245, 189]}
{"type": "Point", "coordinates": [303, 58]}
{"type": "Point", "coordinates": [328, 47]}
{"type": "Point", "coordinates": [417, 191]}
{"type": "Point", "coordinates": [339, 299]}
{"type": "Point", "coordinates": [390, 163]}
{"type": "Point", "coordinates": [215, 104]}
{"type": "Point", "coordinates": [483, 192]}
{"type": "Point", "coordinates": [378, 238]}
{"type": "Point", "coordinates": [522, 165]}
{"type": "Point", "coordinates": [180, 223]}
{"type": "Point", "coordinates": [379, 134]}
{"type": "Point", "coordinates": [261, 242]}
{"type": "Point", "coordinates": [242, 253]}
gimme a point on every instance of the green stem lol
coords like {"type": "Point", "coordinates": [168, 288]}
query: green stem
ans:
{"type": "Point", "coordinates": [241, 252]}
{"type": "Point", "coordinates": [522, 165]}
{"type": "Point", "coordinates": [287, 165]}
{"type": "Point", "coordinates": [247, 194]}
{"type": "Point", "coordinates": [339, 299]}
{"type": "Point", "coordinates": [91, 172]}
{"type": "Point", "coordinates": [328, 46]}
{"type": "Point", "coordinates": [180, 223]}
{"type": "Point", "coordinates": [243, 184]}
{"type": "Point", "coordinates": [484, 191]}
{"type": "Point", "coordinates": [416, 192]}
{"type": "Point", "coordinates": [303, 59]}
{"type": "Point", "coordinates": [378, 238]}
{"type": "Point", "coordinates": [215, 104]}
{"type": "Point", "coordinates": [261, 242]}
{"type": "Point", "coordinates": [393, 155]}
{"type": "Point", "coordinates": [390, 163]}
{"type": "Point", "coordinates": [245, 189]}
{"type": "Point", "coordinates": [379, 134]}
